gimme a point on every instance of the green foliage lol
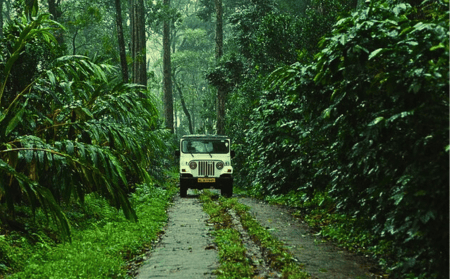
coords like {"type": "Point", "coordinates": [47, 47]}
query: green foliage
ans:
{"type": "Point", "coordinates": [89, 27]}
{"type": "Point", "coordinates": [12, 252]}
{"type": "Point", "coordinates": [367, 123]}
{"type": "Point", "coordinates": [70, 130]}
{"type": "Point", "coordinates": [256, 51]}
{"type": "Point", "coordinates": [391, 127]}
{"type": "Point", "coordinates": [103, 240]}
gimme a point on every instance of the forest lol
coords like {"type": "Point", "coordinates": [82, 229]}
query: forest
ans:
{"type": "Point", "coordinates": [337, 108]}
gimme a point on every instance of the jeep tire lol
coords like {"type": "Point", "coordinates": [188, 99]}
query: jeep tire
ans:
{"type": "Point", "coordinates": [183, 189]}
{"type": "Point", "coordinates": [227, 190]}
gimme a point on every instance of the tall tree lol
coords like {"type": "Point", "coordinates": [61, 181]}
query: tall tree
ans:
{"type": "Point", "coordinates": [184, 107]}
{"type": "Point", "coordinates": [1, 19]}
{"type": "Point", "coordinates": [55, 11]}
{"type": "Point", "coordinates": [167, 72]}
{"type": "Point", "coordinates": [221, 93]}
{"type": "Point", "coordinates": [121, 41]}
{"type": "Point", "coordinates": [138, 42]}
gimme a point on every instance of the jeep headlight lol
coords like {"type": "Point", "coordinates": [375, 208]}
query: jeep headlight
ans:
{"type": "Point", "coordinates": [192, 165]}
{"type": "Point", "coordinates": [219, 165]}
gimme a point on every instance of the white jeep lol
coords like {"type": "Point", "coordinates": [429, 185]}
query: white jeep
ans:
{"type": "Point", "coordinates": [205, 162]}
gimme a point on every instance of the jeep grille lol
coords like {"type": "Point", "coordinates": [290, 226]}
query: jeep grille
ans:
{"type": "Point", "coordinates": [206, 168]}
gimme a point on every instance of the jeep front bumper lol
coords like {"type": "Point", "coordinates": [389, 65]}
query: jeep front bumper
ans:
{"type": "Point", "coordinates": [188, 181]}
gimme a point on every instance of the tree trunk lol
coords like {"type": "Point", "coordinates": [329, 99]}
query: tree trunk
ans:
{"type": "Point", "coordinates": [121, 41]}
{"type": "Point", "coordinates": [219, 30]}
{"type": "Point", "coordinates": [55, 11]}
{"type": "Point", "coordinates": [167, 71]}
{"type": "Point", "coordinates": [138, 47]}
{"type": "Point", "coordinates": [1, 19]}
{"type": "Point", "coordinates": [183, 105]}
{"type": "Point", "coordinates": [221, 94]}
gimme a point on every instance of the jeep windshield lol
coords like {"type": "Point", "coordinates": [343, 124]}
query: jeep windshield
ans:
{"type": "Point", "coordinates": [207, 146]}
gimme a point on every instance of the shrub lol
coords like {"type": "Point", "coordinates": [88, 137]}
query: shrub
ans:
{"type": "Point", "coordinates": [367, 123]}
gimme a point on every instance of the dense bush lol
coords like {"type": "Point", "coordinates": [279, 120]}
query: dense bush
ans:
{"type": "Point", "coordinates": [68, 127]}
{"type": "Point", "coordinates": [255, 51]}
{"type": "Point", "coordinates": [367, 122]}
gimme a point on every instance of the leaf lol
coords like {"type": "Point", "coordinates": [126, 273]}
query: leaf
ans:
{"type": "Point", "coordinates": [398, 198]}
{"type": "Point", "coordinates": [403, 180]}
{"type": "Point", "coordinates": [415, 87]}
{"type": "Point", "coordinates": [326, 113]}
{"type": "Point", "coordinates": [427, 217]}
{"type": "Point", "coordinates": [439, 46]}
{"type": "Point", "coordinates": [51, 77]}
{"type": "Point", "coordinates": [93, 154]}
{"type": "Point", "coordinates": [15, 120]}
{"type": "Point", "coordinates": [343, 39]}
{"type": "Point", "coordinates": [403, 114]}
{"type": "Point", "coordinates": [375, 53]}
{"type": "Point", "coordinates": [29, 154]}
{"type": "Point", "coordinates": [376, 121]}
{"type": "Point", "coordinates": [2, 116]}
{"type": "Point", "coordinates": [358, 47]}
{"type": "Point", "coordinates": [69, 147]}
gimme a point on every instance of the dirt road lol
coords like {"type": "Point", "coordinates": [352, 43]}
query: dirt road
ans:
{"type": "Point", "coordinates": [186, 249]}
{"type": "Point", "coordinates": [321, 259]}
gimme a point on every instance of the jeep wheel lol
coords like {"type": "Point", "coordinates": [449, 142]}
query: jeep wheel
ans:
{"type": "Point", "coordinates": [227, 191]}
{"type": "Point", "coordinates": [183, 189]}
{"type": "Point", "coordinates": [183, 192]}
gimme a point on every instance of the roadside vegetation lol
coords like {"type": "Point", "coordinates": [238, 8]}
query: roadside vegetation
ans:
{"type": "Point", "coordinates": [103, 240]}
{"type": "Point", "coordinates": [355, 135]}
{"type": "Point", "coordinates": [81, 155]}
{"type": "Point", "coordinates": [232, 252]}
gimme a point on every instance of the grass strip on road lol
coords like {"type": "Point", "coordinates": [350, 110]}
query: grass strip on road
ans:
{"type": "Point", "coordinates": [232, 258]}
{"type": "Point", "coordinates": [233, 262]}
{"type": "Point", "coordinates": [278, 256]}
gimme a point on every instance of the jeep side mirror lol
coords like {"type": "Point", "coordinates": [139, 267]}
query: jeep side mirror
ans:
{"type": "Point", "coordinates": [177, 153]}
{"type": "Point", "coordinates": [232, 154]}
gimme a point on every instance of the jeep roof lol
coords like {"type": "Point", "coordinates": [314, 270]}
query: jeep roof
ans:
{"type": "Point", "coordinates": [205, 136]}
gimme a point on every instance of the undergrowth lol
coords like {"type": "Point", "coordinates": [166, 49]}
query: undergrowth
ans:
{"type": "Point", "coordinates": [103, 240]}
